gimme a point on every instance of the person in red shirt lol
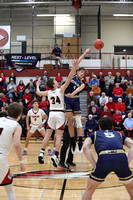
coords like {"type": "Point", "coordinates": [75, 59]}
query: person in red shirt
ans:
{"type": "Point", "coordinates": [3, 80]}
{"type": "Point", "coordinates": [111, 105]}
{"type": "Point", "coordinates": [44, 104]}
{"type": "Point", "coordinates": [117, 120]}
{"type": "Point", "coordinates": [3, 97]}
{"type": "Point", "coordinates": [27, 98]}
{"type": "Point", "coordinates": [21, 88]}
{"type": "Point", "coordinates": [117, 92]}
{"type": "Point", "coordinates": [106, 112]}
{"type": "Point", "coordinates": [59, 79]}
{"type": "Point", "coordinates": [120, 106]}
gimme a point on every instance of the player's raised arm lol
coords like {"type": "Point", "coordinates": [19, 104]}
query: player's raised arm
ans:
{"type": "Point", "coordinates": [75, 65]}
{"type": "Point", "coordinates": [40, 93]}
{"type": "Point", "coordinates": [17, 146]}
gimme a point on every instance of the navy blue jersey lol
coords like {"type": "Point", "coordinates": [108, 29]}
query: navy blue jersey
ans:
{"type": "Point", "coordinates": [73, 85]}
{"type": "Point", "coordinates": [107, 140]}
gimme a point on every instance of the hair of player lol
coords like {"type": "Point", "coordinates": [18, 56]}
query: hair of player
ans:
{"type": "Point", "coordinates": [35, 101]}
{"type": "Point", "coordinates": [50, 83]}
{"type": "Point", "coordinates": [14, 110]}
{"type": "Point", "coordinates": [82, 68]}
{"type": "Point", "coordinates": [105, 123]}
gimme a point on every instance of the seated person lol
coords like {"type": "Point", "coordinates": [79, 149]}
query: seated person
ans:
{"type": "Point", "coordinates": [43, 84]}
{"type": "Point", "coordinates": [93, 81]}
{"type": "Point", "coordinates": [32, 89]}
{"type": "Point", "coordinates": [27, 98]}
{"type": "Point", "coordinates": [59, 79]}
{"type": "Point", "coordinates": [90, 125]}
{"type": "Point", "coordinates": [107, 90]}
{"type": "Point", "coordinates": [129, 102]}
{"type": "Point", "coordinates": [117, 120]}
{"type": "Point", "coordinates": [91, 98]}
{"type": "Point", "coordinates": [128, 76]}
{"type": "Point", "coordinates": [56, 54]}
{"type": "Point", "coordinates": [89, 109]}
{"type": "Point", "coordinates": [44, 104]}
{"type": "Point", "coordinates": [111, 105]}
{"type": "Point", "coordinates": [124, 85]}
{"type": "Point", "coordinates": [129, 89]}
{"type": "Point", "coordinates": [109, 78]}
{"type": "Point", "coordinates": [21, 88]}
{"type": "Point", "coordinates": [120, 106]}
{"type": "Point", "coordinates": [117, 92]}
{"type": "Point", "coordinates": [118, 78]}
{"type": "Point", "coordinates": [103, 98]}
{"type": "Point", "coordinates": [101, 108]}
{"type": "Point", "coordinates": [96, 91]}
{"type": "Point", "coordinates": [95, 114]}
{"type": "Point", "coordinates": [3, 80]}
{"type": "Point", "coordinates": [128, 125]}
{"type": "Point", "coordinates": [101, 80]}
{"type": "Point", "coordinates": [106, 112]}
{"type": "Point", "coordinates": [10, 89]}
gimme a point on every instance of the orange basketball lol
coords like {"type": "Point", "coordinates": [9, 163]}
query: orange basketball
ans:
{"type": "Point", "coordinates": [3, 37]}
{"type": "Point", "coordinates": [98, 44]}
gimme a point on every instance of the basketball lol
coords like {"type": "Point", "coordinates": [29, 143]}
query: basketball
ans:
{"type": "Point", "coordinates": [3, 37]}
{"type": "Point", "coordinates": [98, 44]}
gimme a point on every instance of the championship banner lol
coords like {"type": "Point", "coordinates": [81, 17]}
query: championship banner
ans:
{"type": "Point", "coordinates": [20, 61]}
{"type": "Point", "coordinates": [4, 37]}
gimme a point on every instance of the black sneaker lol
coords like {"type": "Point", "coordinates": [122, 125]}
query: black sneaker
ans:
{"type": "Point", "coordinates": [62, 165]}
{"type": "Point", "coordinates": [73, 147]}
{"type": "Point", "coordinates": [40, 159]}
{"type": "Point", "coordinates": [72, 164]}
{"type": "Point", "coordinates": [80, 147]}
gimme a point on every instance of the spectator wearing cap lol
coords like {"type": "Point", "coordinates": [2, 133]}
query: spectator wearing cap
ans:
{"type": "Point", "coordinates": [90, 125]}
{"type": "Point", "coordinates": [56, 54]}
{"type": "Point", "coordinates": [117, 92]}
{"type": "Point", "coordinates": [109, 77]}
{"type": "Point", "coordinates": [94, 80]}
{"type": "Point", "coordinates": [12, 77]}
{"type": "Point", "coordinates": [45, 74]}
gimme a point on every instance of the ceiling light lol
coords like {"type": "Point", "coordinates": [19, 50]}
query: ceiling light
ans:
{"type": "Point", "coordinates": [123, 15]}
{"type": "Point", "coordinates": [53, 15]}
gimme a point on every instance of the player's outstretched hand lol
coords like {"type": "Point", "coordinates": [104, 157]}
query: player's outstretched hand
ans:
{"type": "Point", "coordinates": [88, 51]}
{"type": "Point", "coordinates": [22, 167]}
{"type": "Point", "coordinates": [75, 63]}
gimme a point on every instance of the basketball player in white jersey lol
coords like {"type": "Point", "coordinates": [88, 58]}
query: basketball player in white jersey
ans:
{"type": "Point", "coordinates": [56, 119]}
{"type": "Point", "coordinates": [38, 118]}
{"type": "Point", "coordinates": [10, 133]}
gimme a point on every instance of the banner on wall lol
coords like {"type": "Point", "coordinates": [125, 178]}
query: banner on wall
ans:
{"type": "Point", "coordinates": [4, 37]}
{"type": "Point", "coordinates": [22, 61]}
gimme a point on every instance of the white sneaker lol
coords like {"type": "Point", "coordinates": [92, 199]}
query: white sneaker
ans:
{"type": "Point", "coordinates": [73, 148]}
{"type": "Point", "coordinates": [55, 160]}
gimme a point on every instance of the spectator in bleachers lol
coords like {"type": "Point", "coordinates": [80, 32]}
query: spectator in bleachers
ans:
{"type": "Point", "coordinates": [27, 98]}
{"type": "Point", "coordinates": [91, 98]}
{"type": "Point", "coordinates": [32, 89]}
{"type": "Point", "coordinates": [118, 78]}
{"type": "Point", "coordinates": [3, 97]}
{"type": "Point", "coordinates": [103, 98]}
{"type": "Point", "coordinates": [90, 125]}
{"type": "Point", "coordinates": [22, 122]}
{"type": "Point", "coordinates": [111, 105]}
{"type": "Point", "coordinates": [101, 108]}
{"type": "Point", "coordinates": [95, 114]}
{"type": "Point", "coordinates": [10, 89]}
{"type": "Point", "coordinates": [56, 54]}
{"type": "Point", "coordinates": [128, 125]}
{"type": "Point", "coordinates": [107, 90]}
{"type": "Point", "coordinates": [117, 120]}
{"type": "Point", "coordinates": [120, 106]}
{"type": "Point", "coordinates": [106, 112]}
{"type": "Point", "coordinates": [89, 109]}
{"type": "Point", "coordinates": [3, 81]}
{"type": "Point", "coordinates": [111, 87]}
{"type": "Point", "coordinates": [109, 77]}
{"type": "Point", "coordinates": [129, 102]}
{"type": "Point", "coordinates": [96, 91]}
{"type": "Point", "coordinates": [59, 79]}
{"type": "Point", "coordinates": [93, 81]}
{"type": "Point", "coordinates": [44, 104]}
{"type": "Point", "coordinates": [16, 96]}
{"type": "Point", "coordinates": [91, 77]}
{"type": "Point", "coordinates": [129, 89]}
{"type": "Point", "coordinates": [43, 84]}
{"type": "Point", "coordinates": [12, 77]}
{"type": "Point", "coordinates": [101, 80]}
{"type": "Point", "coordinates": [21, 88]}
{"type": "Point", "coordinates": [124, 86]}
{"type": "Point", "coordinates": [117, 92]}
{"type": "Point", "coordinates": [128, 76]}
{"type": "Point", "coordinates": [45, 74]}
{"type": "Point", "coordinates": [37, 79]}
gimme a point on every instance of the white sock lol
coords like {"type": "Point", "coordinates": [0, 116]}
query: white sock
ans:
{"type": "Point", "coordinates": [25, 149]}
{"type": "Point", "coordinates": [10, 192]}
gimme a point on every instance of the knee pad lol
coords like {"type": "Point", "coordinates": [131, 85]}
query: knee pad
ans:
{"type": "Point", "coordinates": [78, 121]}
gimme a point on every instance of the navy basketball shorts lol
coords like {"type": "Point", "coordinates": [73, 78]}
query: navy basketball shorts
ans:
{"type": "Point", "coordinates": [72, 105]}
{"type": "Point", "coordinates": [107, 163]}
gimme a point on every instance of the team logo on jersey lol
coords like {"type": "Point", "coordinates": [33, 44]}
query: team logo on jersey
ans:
{"type": "Point", "coordinates": [3, 37]}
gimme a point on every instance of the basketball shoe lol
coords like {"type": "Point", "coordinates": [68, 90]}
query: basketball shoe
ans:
{"type": "Point", "coordinates": [40, 157]}
{"type": "Point", "coordinates": [80, 147]}
{"type": "Point", "coordinates": [50, 152]}
{"type": "Point", "coordinates": [73, 147]}
{"type": "Point", "coordinates": [24, 153]}
{"type": "Point", "coordinates": [55, 160]}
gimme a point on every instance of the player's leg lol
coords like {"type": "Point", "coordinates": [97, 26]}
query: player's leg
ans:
{"type": "Point", "coordinates": [129, 188]}
{"type": "Point", "coordinates": [29, 134]}
{"type": "Point", "coordinates": [55, 158]}
{"type": "Point", "coordinates": [44, 144]}
{"type": "Point", "coordinates": [90, 189]}
{"type": "Point", "coordinates": [71, 131]}
{"type": "Point", "coordinates": [10, 191]}
{"type": "Point", "coordinates": [42, 131]}
{"type": "Point", "coordinates": [79, 131]}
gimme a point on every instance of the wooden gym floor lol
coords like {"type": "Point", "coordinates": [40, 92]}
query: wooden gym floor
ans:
{"type": "Point", "coordinates": [49, 185]}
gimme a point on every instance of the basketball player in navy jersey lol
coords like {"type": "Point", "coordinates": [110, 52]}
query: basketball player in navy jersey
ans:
{"type": "Point", "coordinates": [111, 157]}
{"type": "Point", "coordinates": [72, 103]}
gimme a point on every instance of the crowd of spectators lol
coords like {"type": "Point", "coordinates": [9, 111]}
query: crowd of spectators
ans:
{"type": "Point", "coordinates": [106, 96]}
